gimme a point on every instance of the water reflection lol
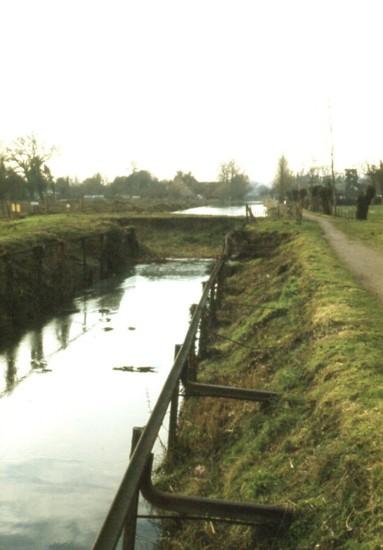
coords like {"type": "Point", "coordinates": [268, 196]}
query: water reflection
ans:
{"type": "Point", "coordinates": [110, 302]}
{"type": "Point", "coordinates": [258, 209]}
{"type": "Point", "coordinates": [65, 436]}
{"type": "Point", "coordinates": [10, 373]}
{"type": "Point", "coordinates": [62, 328]}
{"type": "Point", "coordinates": [173, 269]}
{"type": "Point", "coordinates": [37, 350]}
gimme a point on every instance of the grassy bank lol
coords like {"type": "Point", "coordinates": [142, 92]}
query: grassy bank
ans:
{"type": "Point", "coordinates": [293, 321]}
{"type": "Point", "coordinates": [183, 236]}
{"type": "Point", "coordinates": [161, 234]}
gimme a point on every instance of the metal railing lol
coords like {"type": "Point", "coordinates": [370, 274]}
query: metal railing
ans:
{"type": "Point", "coordinates": [127, 492]}
{"type": "Point", "coordinates": [122, 515]}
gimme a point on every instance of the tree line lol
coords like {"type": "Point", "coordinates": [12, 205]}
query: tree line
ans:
{"type": "Point", "coordinates": [322, 189]}
{"type": "Point", "coordinates": [25, 175]}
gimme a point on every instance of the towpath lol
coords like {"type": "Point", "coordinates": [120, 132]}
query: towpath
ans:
{"type": "Point", "coordinates": [363, 261]}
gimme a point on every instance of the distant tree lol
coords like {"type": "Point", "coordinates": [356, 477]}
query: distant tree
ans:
{"type": "Point", "coordinates": [262, 191]}
{"type": "Point", "coordinates": [63, 187]}
{"type": "Point", "coordinates": [120, 186]}
{"type": "Point", "coordinates": [234, 183]}
{"type": "Point", "coordinates": [28, 159]}
{"type": "Point", "coordinates": [375, 174]}
{"type": "Point", "coordinates": [283, 179]}
{"type": "Point", "coordinates": [3, 178]}
{"type": "Point", "coordinates": [95, 185]}
{"type": "Point", "coordinates": [139, 183]}
{"type": "Point", "coordinates": [363, 202]}
{"type": "Point", "coordinates": [12, 185]}
{"type": "Point", "coordinates": [351, 184]}
{"type": "Point", "coordinates": [326, 193]}
{"type": "Point", "coordinates": [183, 185]}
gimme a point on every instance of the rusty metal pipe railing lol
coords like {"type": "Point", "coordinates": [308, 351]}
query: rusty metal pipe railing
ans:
{"type": "Point", "coordinates": [229, 392]}
{"type": "Point", "coordinates": [113, 525]}
{"type": "Point", "coordinates": [254, 513]}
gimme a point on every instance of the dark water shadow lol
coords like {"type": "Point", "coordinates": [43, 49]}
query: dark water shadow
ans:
{"type": "Point", "coordinates": [11, 371]}
{"type": "Point", "coordinates": [110, 292]}
{"type": "Point", "coordinates": [66, 308]}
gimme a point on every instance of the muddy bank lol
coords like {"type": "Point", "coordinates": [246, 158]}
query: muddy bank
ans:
{"type": "Point", "coordinates": [34, 280]}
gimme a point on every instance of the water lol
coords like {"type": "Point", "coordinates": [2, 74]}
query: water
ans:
{"type": "Point", "coordinates": [67, 414]}
{"type": "Point", "coordinates": [259, 210]}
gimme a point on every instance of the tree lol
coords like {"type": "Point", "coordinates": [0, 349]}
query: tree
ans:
{"type": "Point", "coordinates": [183, 185]}
{"type": "Point", "coordinates": [3, 178]}
{"type": "Point", "coordinates": [63, 187]}
{"type": "Point", "coordinates": [28, 159]}
{"type": "Point", "coordinates": [326, 193]}
{"type": "Point", "coordinates": [363, 202]}
{"type": "Point", "coordinates": [94, 185]}
{"type": "Point", "coordinates": [12, 185]}
{"type": "Point", "coordinates": [139, 183]}
{"type": "Point", "coordinates": [262, 191]}
{"type": "Point", "coordinates": [235, 184]}
{"type": "Point", "coordinates": [351, 181]}
{"type": "Point", "coordinates": [283, 179]}
{"type": "Point", "coordinates": [375, 173]}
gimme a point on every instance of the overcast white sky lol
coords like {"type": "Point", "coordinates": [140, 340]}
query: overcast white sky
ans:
{"type": "Point", "coordinates": [188, 84]}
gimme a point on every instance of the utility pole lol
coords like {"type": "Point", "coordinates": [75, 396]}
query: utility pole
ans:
{"type": "Point", "coordinates": [332, 160]}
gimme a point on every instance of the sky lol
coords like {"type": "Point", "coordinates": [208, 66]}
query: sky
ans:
{"type": "Point", "coordinates": [169, 85]}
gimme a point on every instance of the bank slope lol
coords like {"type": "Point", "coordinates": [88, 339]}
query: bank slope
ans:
{"type": "Point", "coordinates": [294, 321]}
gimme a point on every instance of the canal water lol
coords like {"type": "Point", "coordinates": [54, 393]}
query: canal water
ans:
{"type": "Point", "coordinates": [71, 392]}
{"type": "Point", "coordinates": [259, 210]}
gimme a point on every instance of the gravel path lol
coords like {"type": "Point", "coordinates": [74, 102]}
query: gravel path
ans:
{"type": "Point", "coordinates": [362, 260]}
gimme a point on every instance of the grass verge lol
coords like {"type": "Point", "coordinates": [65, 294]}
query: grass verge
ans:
{"type": "Point", "coordinates": [302, 327]}
{"type": "Point", "coordinates": [369, 231]}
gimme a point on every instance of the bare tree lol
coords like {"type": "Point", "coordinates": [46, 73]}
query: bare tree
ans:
{"type": "Point", "coordinates": [283, 179]}
{"type": "Point", "coordinates": [235, 184]}
{"type": "Point", "coordinates": [28, 158]}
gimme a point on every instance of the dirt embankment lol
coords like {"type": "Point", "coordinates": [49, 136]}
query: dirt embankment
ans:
{"type": "Point", "coordinates": [34, 280]}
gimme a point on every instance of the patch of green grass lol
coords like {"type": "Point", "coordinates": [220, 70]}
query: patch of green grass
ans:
{"type": "Point", "coordinates": [318, 448]}
{"type": "Point", "coordinates": [182, 236]}
{"type": "Point", "coordinates": [31, 230]}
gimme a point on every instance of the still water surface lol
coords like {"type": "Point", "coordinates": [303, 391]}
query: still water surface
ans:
{"type": "Point", "coordinates": [259, 210]}
{"type": "Point", "coordinates": [66, 414]}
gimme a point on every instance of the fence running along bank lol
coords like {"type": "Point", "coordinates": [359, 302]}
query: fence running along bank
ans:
{"type": "Point", "coordinates": [122, 516]}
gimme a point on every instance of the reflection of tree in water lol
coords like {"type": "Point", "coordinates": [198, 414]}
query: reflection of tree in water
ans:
{"type": "Point", "coordinates": [111, 300]}
{"type": "Point", "coordinates": [62, 328]}
{"type": "Point", "coordinates": [10, 375]}
{"type": "Point", "coordinates": [84, 314]}
{"type": "Point", "coordinates": [37, 349]}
